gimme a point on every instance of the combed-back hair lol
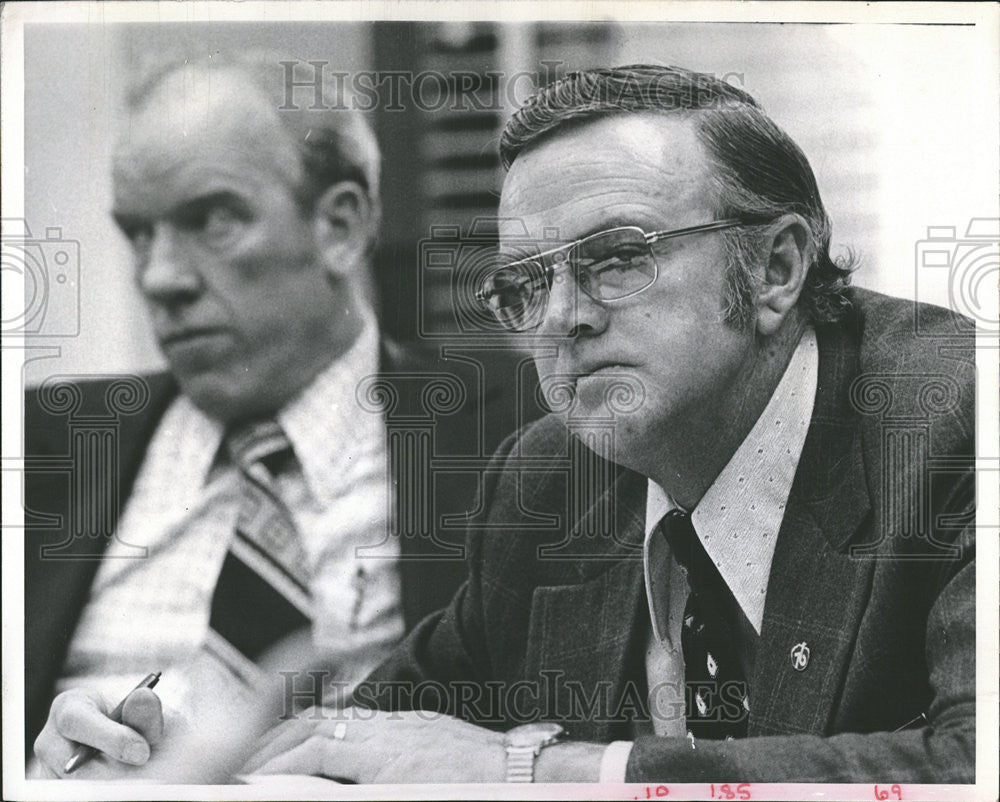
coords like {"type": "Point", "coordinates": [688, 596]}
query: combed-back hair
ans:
{"type": "Point", "coordinates": [760, 173]}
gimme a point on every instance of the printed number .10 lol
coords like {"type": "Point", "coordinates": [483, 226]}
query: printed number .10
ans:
{"type": "Point", "coordinates": [660, 791]}
{"type": "Point", "coordinates": [726, 791]}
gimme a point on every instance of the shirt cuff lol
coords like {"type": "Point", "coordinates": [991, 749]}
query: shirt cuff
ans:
{"type": "Point", "coordinates": [615, 761]}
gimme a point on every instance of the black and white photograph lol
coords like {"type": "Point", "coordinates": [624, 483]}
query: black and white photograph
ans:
{"type": "Point", "coordinates": [410, 400]}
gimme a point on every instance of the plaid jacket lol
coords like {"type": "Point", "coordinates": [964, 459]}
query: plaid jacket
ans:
{"type": "Point", "coordinates": [873, 571]}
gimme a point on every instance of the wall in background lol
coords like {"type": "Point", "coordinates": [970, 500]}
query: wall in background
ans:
{"type": "Point", "coordinates": [897, 140]}
{"type": "Point", "coordinates": [899, 136]}
{"type": "Point", "coordinates": [75, 78]}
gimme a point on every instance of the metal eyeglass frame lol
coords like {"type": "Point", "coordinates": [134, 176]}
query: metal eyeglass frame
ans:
{"type": "Point", "coordinates": [549, 270]}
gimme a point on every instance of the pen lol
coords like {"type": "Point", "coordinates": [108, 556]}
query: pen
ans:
{"type": "Point", "coordinates": [83, 753]}
{"type": "Point", "coordinates": [922, 717]}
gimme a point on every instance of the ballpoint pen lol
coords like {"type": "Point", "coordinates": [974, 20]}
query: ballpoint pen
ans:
{"type": "Point", "coordinates": [83, 753]}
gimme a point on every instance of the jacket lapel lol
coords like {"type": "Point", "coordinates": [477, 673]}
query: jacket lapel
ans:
{"type": "Point", "coordinates": [583, 636]}
{"type": "Point", "coordinates": [430, 504]}
{"type": "Point", "coordinates": [816, 593]}
{"type": "Point", "coordinates": [56, 587]}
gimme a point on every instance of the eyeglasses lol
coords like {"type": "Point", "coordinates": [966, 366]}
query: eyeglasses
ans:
{"type": "Point", "coordinates": [608, 266]}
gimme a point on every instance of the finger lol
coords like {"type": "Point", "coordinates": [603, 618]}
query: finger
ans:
{"type": "Point", "coordinates": [82, 719]}
{"type": "Point", "coordinates": [299, 722]}
{"type": "Point", "coordinates": [143, 712]}
{"type": "Point", "coordinates": [279, 740]}
{"type": "Point", "coordinates": [305, 758]}
{"type": "Point", "coordinates": [40, 771]}
{"type": "Point", "coordinates": [293, 731]}
{"type": "Point", "coordinates": [359, 763]}
{"type": "Point", "coordinates": [53, 751]}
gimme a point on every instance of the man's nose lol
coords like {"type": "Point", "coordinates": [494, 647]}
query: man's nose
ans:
{"type": "Point", "coordinates": [167, 272]}
{"type": "Point", "coordinates": [570, 311]}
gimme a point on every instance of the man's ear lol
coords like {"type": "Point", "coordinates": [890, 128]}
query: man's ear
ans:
{"type": "Point", "coordinates": [785, 269]}
{"type": "Point", "coordinates": [344, 220]}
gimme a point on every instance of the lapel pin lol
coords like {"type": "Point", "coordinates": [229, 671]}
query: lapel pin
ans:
{"type": "Point", "coordinates": [800, 656]}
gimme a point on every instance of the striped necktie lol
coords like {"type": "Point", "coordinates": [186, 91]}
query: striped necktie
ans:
{"type": "Point", "coordinates": [717, 696]}
{"type": "Point", "coordinates": [262, 594]}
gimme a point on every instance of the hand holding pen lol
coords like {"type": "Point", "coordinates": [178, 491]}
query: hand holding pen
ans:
{"type": "Point", "coordinates": [84, 752]}
{"type": "Point", "coordinates": [81, 725]}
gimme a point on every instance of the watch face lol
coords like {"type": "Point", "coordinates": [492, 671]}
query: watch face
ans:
{"type": "Point", "coordinates": [537, 734]}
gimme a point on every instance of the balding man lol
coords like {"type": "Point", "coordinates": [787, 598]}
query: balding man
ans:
{"type": "Point", "coordinates": [254, 480]}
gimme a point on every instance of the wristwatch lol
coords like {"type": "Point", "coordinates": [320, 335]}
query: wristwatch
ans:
{"type": "Point", "coordinates": [523, 745]}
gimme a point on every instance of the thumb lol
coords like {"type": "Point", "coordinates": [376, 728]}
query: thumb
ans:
{"type": "Point", "coordinates": [143, 712]}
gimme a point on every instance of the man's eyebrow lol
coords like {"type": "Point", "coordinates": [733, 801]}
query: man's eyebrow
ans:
{"type": "Point", "coordinates": [206, 200]}
{"type": "Point", "coordinates": [127, 220]}
{"type": "Point", "coordinates": [516, 249]}
{"type": "Point", "coordinates": [554, 238]}
{"type": "Point", "coordinates": [607, 225]}
{"type": "Point", "coordinates": [194, 203]}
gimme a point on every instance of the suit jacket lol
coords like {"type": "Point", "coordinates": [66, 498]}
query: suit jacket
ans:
{"type": "Point", "coordinates": [873, 573]}
{"type": "Point", "coordinates": [86, 437]}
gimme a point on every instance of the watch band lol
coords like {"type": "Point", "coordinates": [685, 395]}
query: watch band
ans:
{"type": "Point", "coordinates": [523, 744]}
{"type": "Point", "coordinates": [521, 763]}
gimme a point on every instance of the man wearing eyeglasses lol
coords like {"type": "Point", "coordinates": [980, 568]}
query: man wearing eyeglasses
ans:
{"type": "Point", "coordinates": [741, 547]}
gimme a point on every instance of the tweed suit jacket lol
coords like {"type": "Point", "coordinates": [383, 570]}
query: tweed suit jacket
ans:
{"type": "Point", "coordinates": [873, 572]}
{"type": "Point", "coordinates": [63, 548]}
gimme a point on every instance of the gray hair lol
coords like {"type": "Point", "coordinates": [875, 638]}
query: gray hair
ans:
{"type": "Point", "coordinates": [760, 173]}
{"type": "Point", "coordinates": [333, 139]}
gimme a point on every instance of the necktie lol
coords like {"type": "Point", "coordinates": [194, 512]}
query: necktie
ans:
{"type": "Point", "coordinates": [716, 698]}
{"type": "Point", "coordinates": [262, 594]}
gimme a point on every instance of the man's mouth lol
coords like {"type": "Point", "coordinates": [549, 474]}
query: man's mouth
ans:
{"type": "Point", "coordinates": [615, 366]}
{"type": "Point", "coordinates": [185, 336]}
{"type": "Point", "coordinates": [565, 385]}
{"type": "Point", "coordinates": [607, 368]}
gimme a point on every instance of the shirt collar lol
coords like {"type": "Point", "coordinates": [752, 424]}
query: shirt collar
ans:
{"type": "Point", "coordinates": [189, 442]}
{"type": "Point", "coordinates": [325, 415]}
{"type": "Point", "coordinates": [738, 518]}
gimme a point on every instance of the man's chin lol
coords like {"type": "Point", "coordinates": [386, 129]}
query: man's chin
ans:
{"type": "Point", "coordinates": [604, 395]}
{"type": "Point", "coordinates": [607, 395]}
{"type": "Point", "coordinates": [613, 440]}
{"type": "Point", "coordinates": [223, 398]}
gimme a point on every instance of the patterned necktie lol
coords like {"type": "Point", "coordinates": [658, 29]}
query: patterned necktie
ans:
{"type": "Point", "coordinates": [262, 594]}
{"type": "Point", "coordinates": [717, 703]}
